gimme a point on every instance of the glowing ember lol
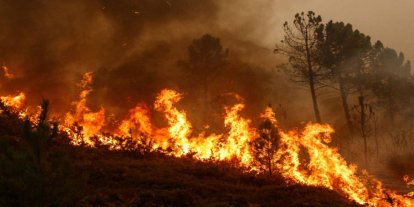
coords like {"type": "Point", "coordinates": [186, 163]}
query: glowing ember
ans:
{"type": "Point", "coordinates": [409, 181]}
{"type": "Point", "coordinates": [7, 72]}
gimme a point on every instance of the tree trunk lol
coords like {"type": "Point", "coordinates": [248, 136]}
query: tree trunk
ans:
{"type": "Point", "coordinates": [205, 100]}
{"type": "Point", "coordinates": [314, 100]}
{"type": "Point", "coordinates": [344, 98]}
{"type": "Point", "coordinates": [312, 82]}
{"type": "Point", "coordinates": [363, 130]}
{"type": "Point", "coordinates": [376, 136]}
{"type": "Point", "coordinates": [270, 156]}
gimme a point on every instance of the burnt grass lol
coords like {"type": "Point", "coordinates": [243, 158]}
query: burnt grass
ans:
{"type": "Point", "coordinates": [77, 176]}
{"type": "Point", "coordinates": [126, 179]}
{"type": "Point", "coordinates": [39, 168]}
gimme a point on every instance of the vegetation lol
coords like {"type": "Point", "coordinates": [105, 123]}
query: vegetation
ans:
{"type": "Point", "coordinates": [265, 145]}
{"type": "Point", "coordinates": [206, 58]}
{"type": "Point", "coordinates": [34, 169]}
{"type": "Point", "coordinates": [39, 168]}
{"type": "Point", "coordinates": [372, 81]}
{"type": "Point", "coordinates": [299, 44]}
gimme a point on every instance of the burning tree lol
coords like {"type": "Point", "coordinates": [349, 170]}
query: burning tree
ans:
{"type": "Point", "coordinates": [265, 146]}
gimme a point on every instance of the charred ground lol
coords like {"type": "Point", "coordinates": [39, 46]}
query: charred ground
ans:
{"type": "Point", "coordinates": [40, 168]}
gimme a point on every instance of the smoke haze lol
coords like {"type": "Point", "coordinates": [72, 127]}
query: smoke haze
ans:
{"type": "Point", "coordinates": [133, 46]}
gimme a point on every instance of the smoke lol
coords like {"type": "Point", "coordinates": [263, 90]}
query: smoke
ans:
{"type": "Point", "coordinates": [48, 44]}
{"type": "Point", "coordinates": [131, 46]}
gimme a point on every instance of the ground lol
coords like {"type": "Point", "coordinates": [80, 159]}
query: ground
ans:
{"type": "Point", "coordinates": [126, 179]}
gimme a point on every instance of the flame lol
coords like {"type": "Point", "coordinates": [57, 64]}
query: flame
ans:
{"type": "Point", "coordinates": [91, 122]}
{"type": "Point", "coordinates": [7, 72]}
{"type": "Point", "coordinates": [303, 156]}
{"type": "Point", "coordinates": [327, 168]}
{"type": "Point", "coordinates": [138, 121]}
{"type": "Point", "coordinates": [239, 137]}
{"type": "Point", "coordinates": [409, 181]}
{"type": "Point", "coordinates": [15, 102]}
{"type": "Point", "coordinates": [180, 128]}
{"type": "Point", "coordinates": [234, 146]}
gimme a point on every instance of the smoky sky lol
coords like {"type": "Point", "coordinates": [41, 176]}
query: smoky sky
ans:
{"type": "Point", "coordinates": [133, 46]}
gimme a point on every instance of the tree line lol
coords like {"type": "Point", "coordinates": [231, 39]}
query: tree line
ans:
{"type": "Point", "coordinates": [370, 79]}
{"type": "Point", "coordinates": [373, 83]}
{"type": "Point", "coordinates": [337, 56]}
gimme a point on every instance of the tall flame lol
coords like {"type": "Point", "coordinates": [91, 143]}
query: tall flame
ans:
{"type": "Point", "coordinates": [327, 168]}
{"type": "Point", "coordinates": [138, 121]}
{"type": "Point", "coordinates": [234, 146]}
{"type": "Point", "coordinates": [91, 122]}
{"type": "Point", "coordinates": [180, 128]}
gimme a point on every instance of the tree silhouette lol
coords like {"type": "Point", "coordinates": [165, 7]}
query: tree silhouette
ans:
{"type": "Point", "coordinates": [265, 145]}
{"type": "Point", "coordinates": [300, 46]}
{"type": "Point", "coordinates": [344, 52]}
{"type": "Point", "coordinates": [206, 58]}
{"type": "Point", "coordinates": [365, 117]}
{"type": "Point", "coordinates": [393, 83]}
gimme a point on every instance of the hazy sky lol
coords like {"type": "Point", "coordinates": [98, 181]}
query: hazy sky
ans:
{"type": "Point", "coordinates": [385, 20]}
{"type": "Point", "coordinates": [129, 43]}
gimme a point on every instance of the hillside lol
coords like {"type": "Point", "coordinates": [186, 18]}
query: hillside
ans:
{"type": "Point", "coordinates": [125, 179]}
{"type": "Point", "coordinates": [39, 168]}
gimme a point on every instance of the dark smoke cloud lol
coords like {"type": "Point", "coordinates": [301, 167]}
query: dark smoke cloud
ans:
{"type": "Point", "coordinates": [48, 44]}
{"type": "Point", "coordinates": [133, 47]}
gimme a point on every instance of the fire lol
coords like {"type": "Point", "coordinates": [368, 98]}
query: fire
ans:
{"type": "Point", "coordinates": [326, 167]}
{"type": "Point", "coordinates": [91, 122]}
{"type": "Point", "coordinates": [239, 137]}
{"type": "Point", "coordinates": [303, 156]}
{"type": "Point", "coordinates": [234, 146]}
{"type": "Point", "coordinates": [409, 181]}
{"type": "Point", "coordinates": [15, 102]}
{"type": "Point", "coordinates": [180, 128]}
{"type": "Point", "coordinates": [7, 72]}
{"type": "Point", "coordinates": [138, 122]}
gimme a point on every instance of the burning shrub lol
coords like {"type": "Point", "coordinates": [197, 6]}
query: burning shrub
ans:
{"type": "Point", "coordinates": [265, 146]}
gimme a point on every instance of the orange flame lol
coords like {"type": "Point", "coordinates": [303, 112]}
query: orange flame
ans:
{"type": "Point", "coordinates": [91, 122]}
{"type": "Point", "coordinates": [303, 157]}
{"type": "Point", "coordinates": [326, 167]}
{"type": "Point", "coordinates": [138, 121]}
{"type": "Point", "coordinates": [7, 72]}
{"type": "Point", "coordinates": [15, 102]}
